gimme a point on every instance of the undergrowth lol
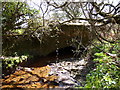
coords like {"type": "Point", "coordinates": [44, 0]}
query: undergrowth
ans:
{"type": "Point", "coordinates": [10, 63]}
{"type": "Point", "coordinates": [107, 63]}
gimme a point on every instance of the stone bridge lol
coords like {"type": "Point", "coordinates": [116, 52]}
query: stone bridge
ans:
{"type": "Point", "coordinates": [43, 42]}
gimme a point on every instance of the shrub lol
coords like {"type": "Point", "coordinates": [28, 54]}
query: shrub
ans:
{"type": "Point", "coordinates": [107, 71]}
{"type": "Point", "coordinates": [9, 62]}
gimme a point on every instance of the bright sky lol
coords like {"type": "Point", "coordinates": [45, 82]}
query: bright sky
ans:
{"type": "Point", "coordinates": [36, 3]}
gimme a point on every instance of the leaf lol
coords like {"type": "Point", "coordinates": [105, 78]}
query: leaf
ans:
{"type": "Point", "coordinates": [100, 54]}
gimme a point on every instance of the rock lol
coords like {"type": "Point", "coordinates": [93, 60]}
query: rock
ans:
{"type": "Point", "coordinates": [69, 72]}
{"type": "Point", "coordinates": [28, 69]}
{"type": "Point", "coordinates": [24, 68]}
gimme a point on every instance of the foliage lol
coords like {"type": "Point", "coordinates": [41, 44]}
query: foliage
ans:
{"type": "Point", "coordinates": [106, 74]}
{"type": "Point", "coordinates": [18, 31]}
{"type": "Point", "coordinates": [9, 62]}
{"type": "Point", "coordinates": [15, 14]}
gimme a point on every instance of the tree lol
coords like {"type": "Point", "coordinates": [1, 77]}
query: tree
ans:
{"type": "Point", "coordinates": [103, 14]}
{"type": "Point", "coordinates": [66, 10]}
{"type": "Point", "coordinates": [15, 14]}
{"type": "Point", "coordinates": [96, 9]}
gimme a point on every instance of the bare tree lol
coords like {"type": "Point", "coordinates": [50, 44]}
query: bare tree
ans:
{"type": "Point", "coordinates": [104, 15]}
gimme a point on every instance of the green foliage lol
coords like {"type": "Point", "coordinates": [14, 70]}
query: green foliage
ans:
{"type": "Point", "coordinates": [18, 31]}
{"type": "Point", "coordinates": [15, 14]}
{"type": "Point", "coordinates": [10, 62]}
{"type": "Point", "coordinates": [107, 71]}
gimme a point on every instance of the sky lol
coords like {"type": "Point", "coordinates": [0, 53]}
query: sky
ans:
{"type": "Point", "coordinates": [35, 4]}
{"type": "Point", "coordinates": [38, 1]}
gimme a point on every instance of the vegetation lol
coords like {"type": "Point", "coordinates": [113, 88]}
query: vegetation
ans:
{"type": "Point", "coordinates": [10, 62]}
{"type": "Point", "coordinates": [15, 15]}
{"type": "Point", "coordinates": [105, 47]}
{"type": "Point", "coordinates": [106, 74]}
{"type": "Point", "coordinates": [16, 19]}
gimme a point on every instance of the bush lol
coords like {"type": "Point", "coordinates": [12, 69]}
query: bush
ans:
{"type": "Point", "coordinates": [9, 62]}
{"type": "Point", "coordinates": [107, 71]}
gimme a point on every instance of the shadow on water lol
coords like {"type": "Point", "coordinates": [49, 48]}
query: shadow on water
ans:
{"type": "Point", "coordinates": [39, 61]}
